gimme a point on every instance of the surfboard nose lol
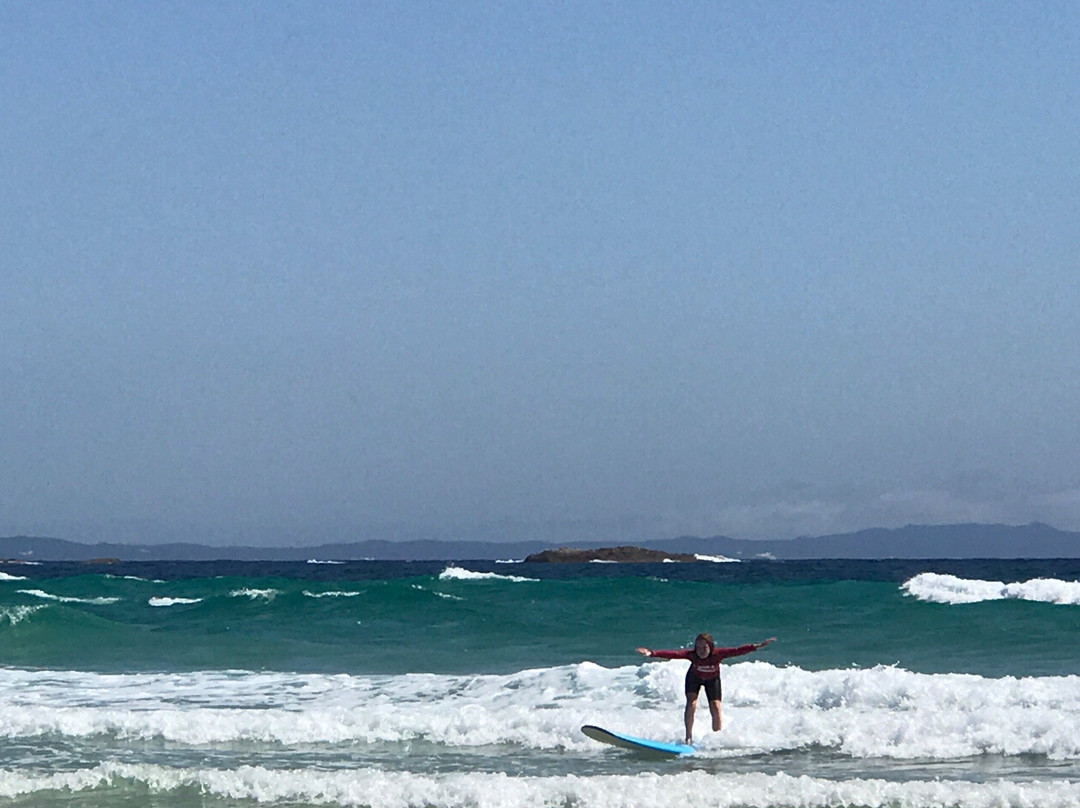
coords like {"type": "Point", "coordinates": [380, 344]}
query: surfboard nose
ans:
{"type": "Point", "coordinates": [635, 744]}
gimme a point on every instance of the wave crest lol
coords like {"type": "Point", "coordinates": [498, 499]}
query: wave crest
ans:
{"type": "Point", "coordinates": [377, 788]}
{"type": "Point", "coordinates": [461, 574]}
{"type": "Point", "coordinates": [938, 588]}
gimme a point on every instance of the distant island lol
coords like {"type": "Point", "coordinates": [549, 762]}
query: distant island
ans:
{"type": "Point", "coordinates": [622, 554]}
{"type": "Point", "coordinates": [1035, 540]}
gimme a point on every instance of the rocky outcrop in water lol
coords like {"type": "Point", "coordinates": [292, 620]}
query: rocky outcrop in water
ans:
{"type": "Point", "coordinates": [624, 554]}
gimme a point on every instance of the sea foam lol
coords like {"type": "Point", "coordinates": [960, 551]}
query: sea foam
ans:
{"type": "Point", "coordinates": [937, 588]}
{"type": "Point", "coordinates": [13, 615]}
{"type": "Point", "coordinates": [879, 713]}
{"type": "Point", "coordinates": [254, 594]}
{"type": "Point", "coordinates": [460, 574]}
{"type": "Point", "coordinates": [160, 602]}
{"type": "Point", "coordinates": [38, 593]}
{"type": "Point", "coordinates": [377, 788]}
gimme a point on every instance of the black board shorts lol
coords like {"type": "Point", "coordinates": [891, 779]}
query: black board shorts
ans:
{"type": "Point", "coordinates": [694, 683]}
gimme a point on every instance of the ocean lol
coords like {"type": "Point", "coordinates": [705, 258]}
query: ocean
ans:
{"type": "Point", "coordinates": [453, 685]}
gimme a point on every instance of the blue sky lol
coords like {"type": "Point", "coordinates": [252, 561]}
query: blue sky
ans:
{"type": "Point", "coordinates": [304, 271]}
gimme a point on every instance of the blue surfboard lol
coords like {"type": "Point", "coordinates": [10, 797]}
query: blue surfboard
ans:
{"type": "Point", "coordinates": [642, 745]}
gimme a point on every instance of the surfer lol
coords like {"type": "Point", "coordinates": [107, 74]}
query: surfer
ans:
{"type": "Point", "coordinates": [704, 672]}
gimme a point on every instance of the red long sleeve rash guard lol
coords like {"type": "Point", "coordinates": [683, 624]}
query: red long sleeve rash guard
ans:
{"type": "Point", "coordinates": [709, 667]}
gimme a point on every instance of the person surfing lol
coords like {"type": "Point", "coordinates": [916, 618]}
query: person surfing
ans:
{"type": "Point", "coordinates": [704, 672]}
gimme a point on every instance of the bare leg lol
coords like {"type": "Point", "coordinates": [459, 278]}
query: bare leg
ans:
{"type": "Point", "coordinates": [714, 708]}
{"type": "Point", "coordinates": [688, 716]}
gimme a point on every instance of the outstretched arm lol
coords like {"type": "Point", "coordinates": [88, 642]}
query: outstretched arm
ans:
{"type": "Point", "coordinates": [679, 653]}
{"type": "Point", "coordinates": [727, 653]}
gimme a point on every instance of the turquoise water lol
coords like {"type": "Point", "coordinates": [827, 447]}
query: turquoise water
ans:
{"type": "Point", "coordinates": [344, 621]}
{"type": "Point", "coordinates": [432, 684]}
